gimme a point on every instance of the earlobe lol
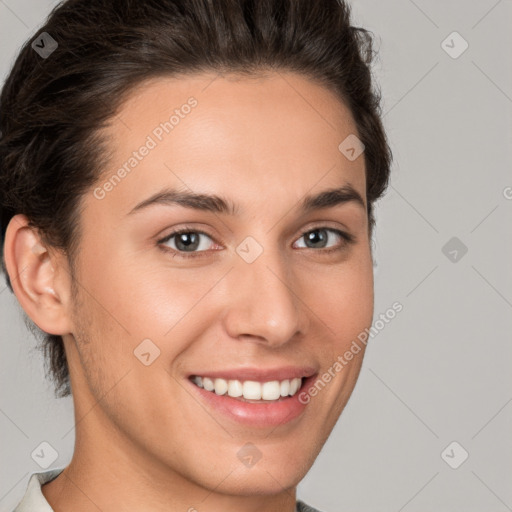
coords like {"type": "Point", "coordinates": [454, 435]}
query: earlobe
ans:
{"type": "Point", "coordinates": [37, 276]}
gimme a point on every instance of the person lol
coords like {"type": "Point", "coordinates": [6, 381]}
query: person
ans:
{"type": "Point", "coordinates": [187, 209]}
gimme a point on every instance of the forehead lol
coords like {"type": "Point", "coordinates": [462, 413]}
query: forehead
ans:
{"type": "Point", "coordinates": [276, 133]}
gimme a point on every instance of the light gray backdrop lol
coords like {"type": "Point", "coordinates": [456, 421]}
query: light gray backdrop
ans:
{"type": "Point", "coordinates": [435, 386]}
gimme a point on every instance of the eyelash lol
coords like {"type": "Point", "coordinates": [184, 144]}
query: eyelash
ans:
{"type": "Point", "coordinates": [347, 238]}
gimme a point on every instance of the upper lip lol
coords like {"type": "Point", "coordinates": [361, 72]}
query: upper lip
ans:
{"type": "Point", "coordinates": [259, 374]}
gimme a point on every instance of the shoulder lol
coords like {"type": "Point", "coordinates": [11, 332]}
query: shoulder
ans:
{"type": "Point", "coordinates": [33, 499]}
{"type": "Point", "coordinates": [303, 507]}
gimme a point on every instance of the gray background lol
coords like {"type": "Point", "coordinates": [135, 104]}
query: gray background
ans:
{"type": "Point", "coordinates": [440, 370]}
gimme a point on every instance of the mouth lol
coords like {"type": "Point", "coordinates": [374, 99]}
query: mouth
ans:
{"type": "Point", "coordinates": [250, 391]}
{"type": "Point", "coordinates": [255, 398]}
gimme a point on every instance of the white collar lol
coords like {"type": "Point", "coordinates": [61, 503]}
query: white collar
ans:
{"type": "Point", "coordinates": [34, 500]}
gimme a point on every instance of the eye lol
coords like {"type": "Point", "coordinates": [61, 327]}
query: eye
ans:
{"type": "Point", "coordinates": [318, 238]}
{"type": "Point", "coordinates": [186, 240]}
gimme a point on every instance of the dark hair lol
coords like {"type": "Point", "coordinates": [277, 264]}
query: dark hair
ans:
{"type": "Point", "coordinates": [53, 105]}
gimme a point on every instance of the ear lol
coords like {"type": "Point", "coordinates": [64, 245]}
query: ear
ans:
{"type": "Point", "coordinates": [39, 277]}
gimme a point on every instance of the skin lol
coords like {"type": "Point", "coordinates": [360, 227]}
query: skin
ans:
{"type": "Point", "coordinates": [142, 441]}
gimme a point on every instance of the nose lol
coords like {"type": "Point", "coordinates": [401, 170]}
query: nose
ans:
{"type": "Point", "coordinates": [263, 303]}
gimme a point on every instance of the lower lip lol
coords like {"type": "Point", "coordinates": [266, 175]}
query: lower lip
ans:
{"type": "Point", "coordinates": [265, 414]}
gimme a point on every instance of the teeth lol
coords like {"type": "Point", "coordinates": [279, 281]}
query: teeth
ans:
{"type": "Point", "coordinates": [285, 387]}
{"type": "Point", "coordinates": [221, 386]}
{"type": "Point", "coordinates": [235, 388]}
{"type": "Point", "coordinates": [208, 384]}
{"type": "Point", "coordinates": [249, 389]}
{"type": "Point", "coordinates": [252, 390]}
{"type": "Point", "coordinates": [294, 386]}
{"type": "Point", "coordinates": [271, 390]}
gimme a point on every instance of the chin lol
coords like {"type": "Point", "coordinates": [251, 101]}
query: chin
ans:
{"type": "Point", "coordinates": [261, 482]}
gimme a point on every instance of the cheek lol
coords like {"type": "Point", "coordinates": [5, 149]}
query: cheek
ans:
{"type": "Point", "coordinates": [357, 301]}
{"type": "Point", "coordinates": [341, 365]}
{"type": "Point", "coordinates": [345, 304]}
{"type": "Point", "coordinates": [138, 297]}
{"type": "Point", "coordinates": [151, 300]}
{"type": "Point", "coordinates": [344, 298]}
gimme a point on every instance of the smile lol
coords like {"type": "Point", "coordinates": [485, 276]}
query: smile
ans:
{"type": "Point", "coordinates": [250, 390]}
{"type": "Point", "coordinates": [263, 398]}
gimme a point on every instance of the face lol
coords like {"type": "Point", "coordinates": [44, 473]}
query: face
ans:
{"type": "Point", "coordinates": [263, 286]}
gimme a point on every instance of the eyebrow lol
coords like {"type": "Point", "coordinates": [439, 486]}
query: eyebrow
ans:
{"type": "Point", "coordinates": [218, 204]}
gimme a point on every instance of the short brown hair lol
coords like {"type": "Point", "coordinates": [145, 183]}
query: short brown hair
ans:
{"type": "Point", "coordinates": [51, 109]}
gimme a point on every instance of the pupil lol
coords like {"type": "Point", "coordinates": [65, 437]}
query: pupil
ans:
{"type": "Point", "coordinates": [315, 239]}
{"type": "Point", "coordinates": [190, 241]}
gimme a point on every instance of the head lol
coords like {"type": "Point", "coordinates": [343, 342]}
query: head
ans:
{"type": "Point", "coordinates": [121, 137]}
